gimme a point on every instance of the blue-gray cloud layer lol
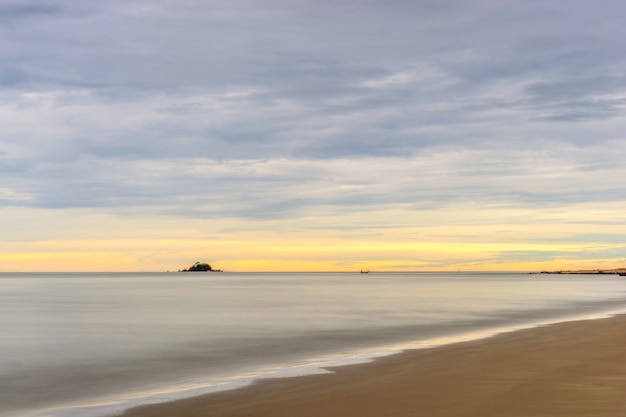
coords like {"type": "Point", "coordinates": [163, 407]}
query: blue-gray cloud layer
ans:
{"type": "Point", "coordinates": [186, 103]}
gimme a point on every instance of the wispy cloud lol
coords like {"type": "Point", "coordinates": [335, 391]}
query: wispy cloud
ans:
{"type": "Point", "coordinates": [10, 195]}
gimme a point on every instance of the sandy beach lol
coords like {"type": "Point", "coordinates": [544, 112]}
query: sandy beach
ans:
{"type": "Point", "coordinates": [569, 369]}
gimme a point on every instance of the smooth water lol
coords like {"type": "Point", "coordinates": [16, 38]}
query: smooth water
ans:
{"type": "Point", "coordinates": [93, 344]}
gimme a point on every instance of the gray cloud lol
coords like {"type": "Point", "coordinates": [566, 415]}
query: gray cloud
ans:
{"type": "Point", "coordinates": [199, 104]}
{"type": "Point", "coordinates": [21, 10]}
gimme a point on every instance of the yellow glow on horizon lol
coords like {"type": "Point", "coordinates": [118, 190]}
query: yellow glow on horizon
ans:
{"type": "Point", "coordinates": [396, 240]}
{"type": "Point", "coordinates": [300, 254]}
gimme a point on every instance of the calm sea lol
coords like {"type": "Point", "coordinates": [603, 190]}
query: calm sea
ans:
{"type": "Point", "coordinates": [83, 344]}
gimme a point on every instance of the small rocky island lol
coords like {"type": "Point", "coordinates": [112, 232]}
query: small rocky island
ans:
{"type": "Point", "coordinates": [200, 267]}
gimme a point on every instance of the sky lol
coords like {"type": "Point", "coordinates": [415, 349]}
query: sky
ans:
{"type": "Point", "coordinates": [312, 135]}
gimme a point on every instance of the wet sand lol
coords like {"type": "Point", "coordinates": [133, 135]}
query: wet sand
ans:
{"type": "Point", "coordinates": [568, 369]}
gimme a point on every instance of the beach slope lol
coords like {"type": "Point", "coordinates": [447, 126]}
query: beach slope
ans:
{"type": "Point", "coordinates": [568, 369]}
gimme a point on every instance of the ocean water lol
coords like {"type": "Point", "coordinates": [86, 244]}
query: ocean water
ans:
{"type": "Point", "coordinates": [91, 345]}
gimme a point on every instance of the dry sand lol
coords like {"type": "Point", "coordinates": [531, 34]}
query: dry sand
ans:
{"type": "Point", "coordinates": [569, 369]}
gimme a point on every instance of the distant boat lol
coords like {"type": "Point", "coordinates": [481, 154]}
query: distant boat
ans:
{"type": "Point", "coordinates": [622, 274]}
{"type": "Point", "coordinates": [365, 272]}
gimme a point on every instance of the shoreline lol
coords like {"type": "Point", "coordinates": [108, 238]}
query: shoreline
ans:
{"type": "Point", "coordinates": [614, 271]}
{"type": "Point", "coordinates": [574, 368]}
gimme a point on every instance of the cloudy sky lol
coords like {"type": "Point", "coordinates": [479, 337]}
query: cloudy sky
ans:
{"type": "Point", "coordinates": [312, 134]}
